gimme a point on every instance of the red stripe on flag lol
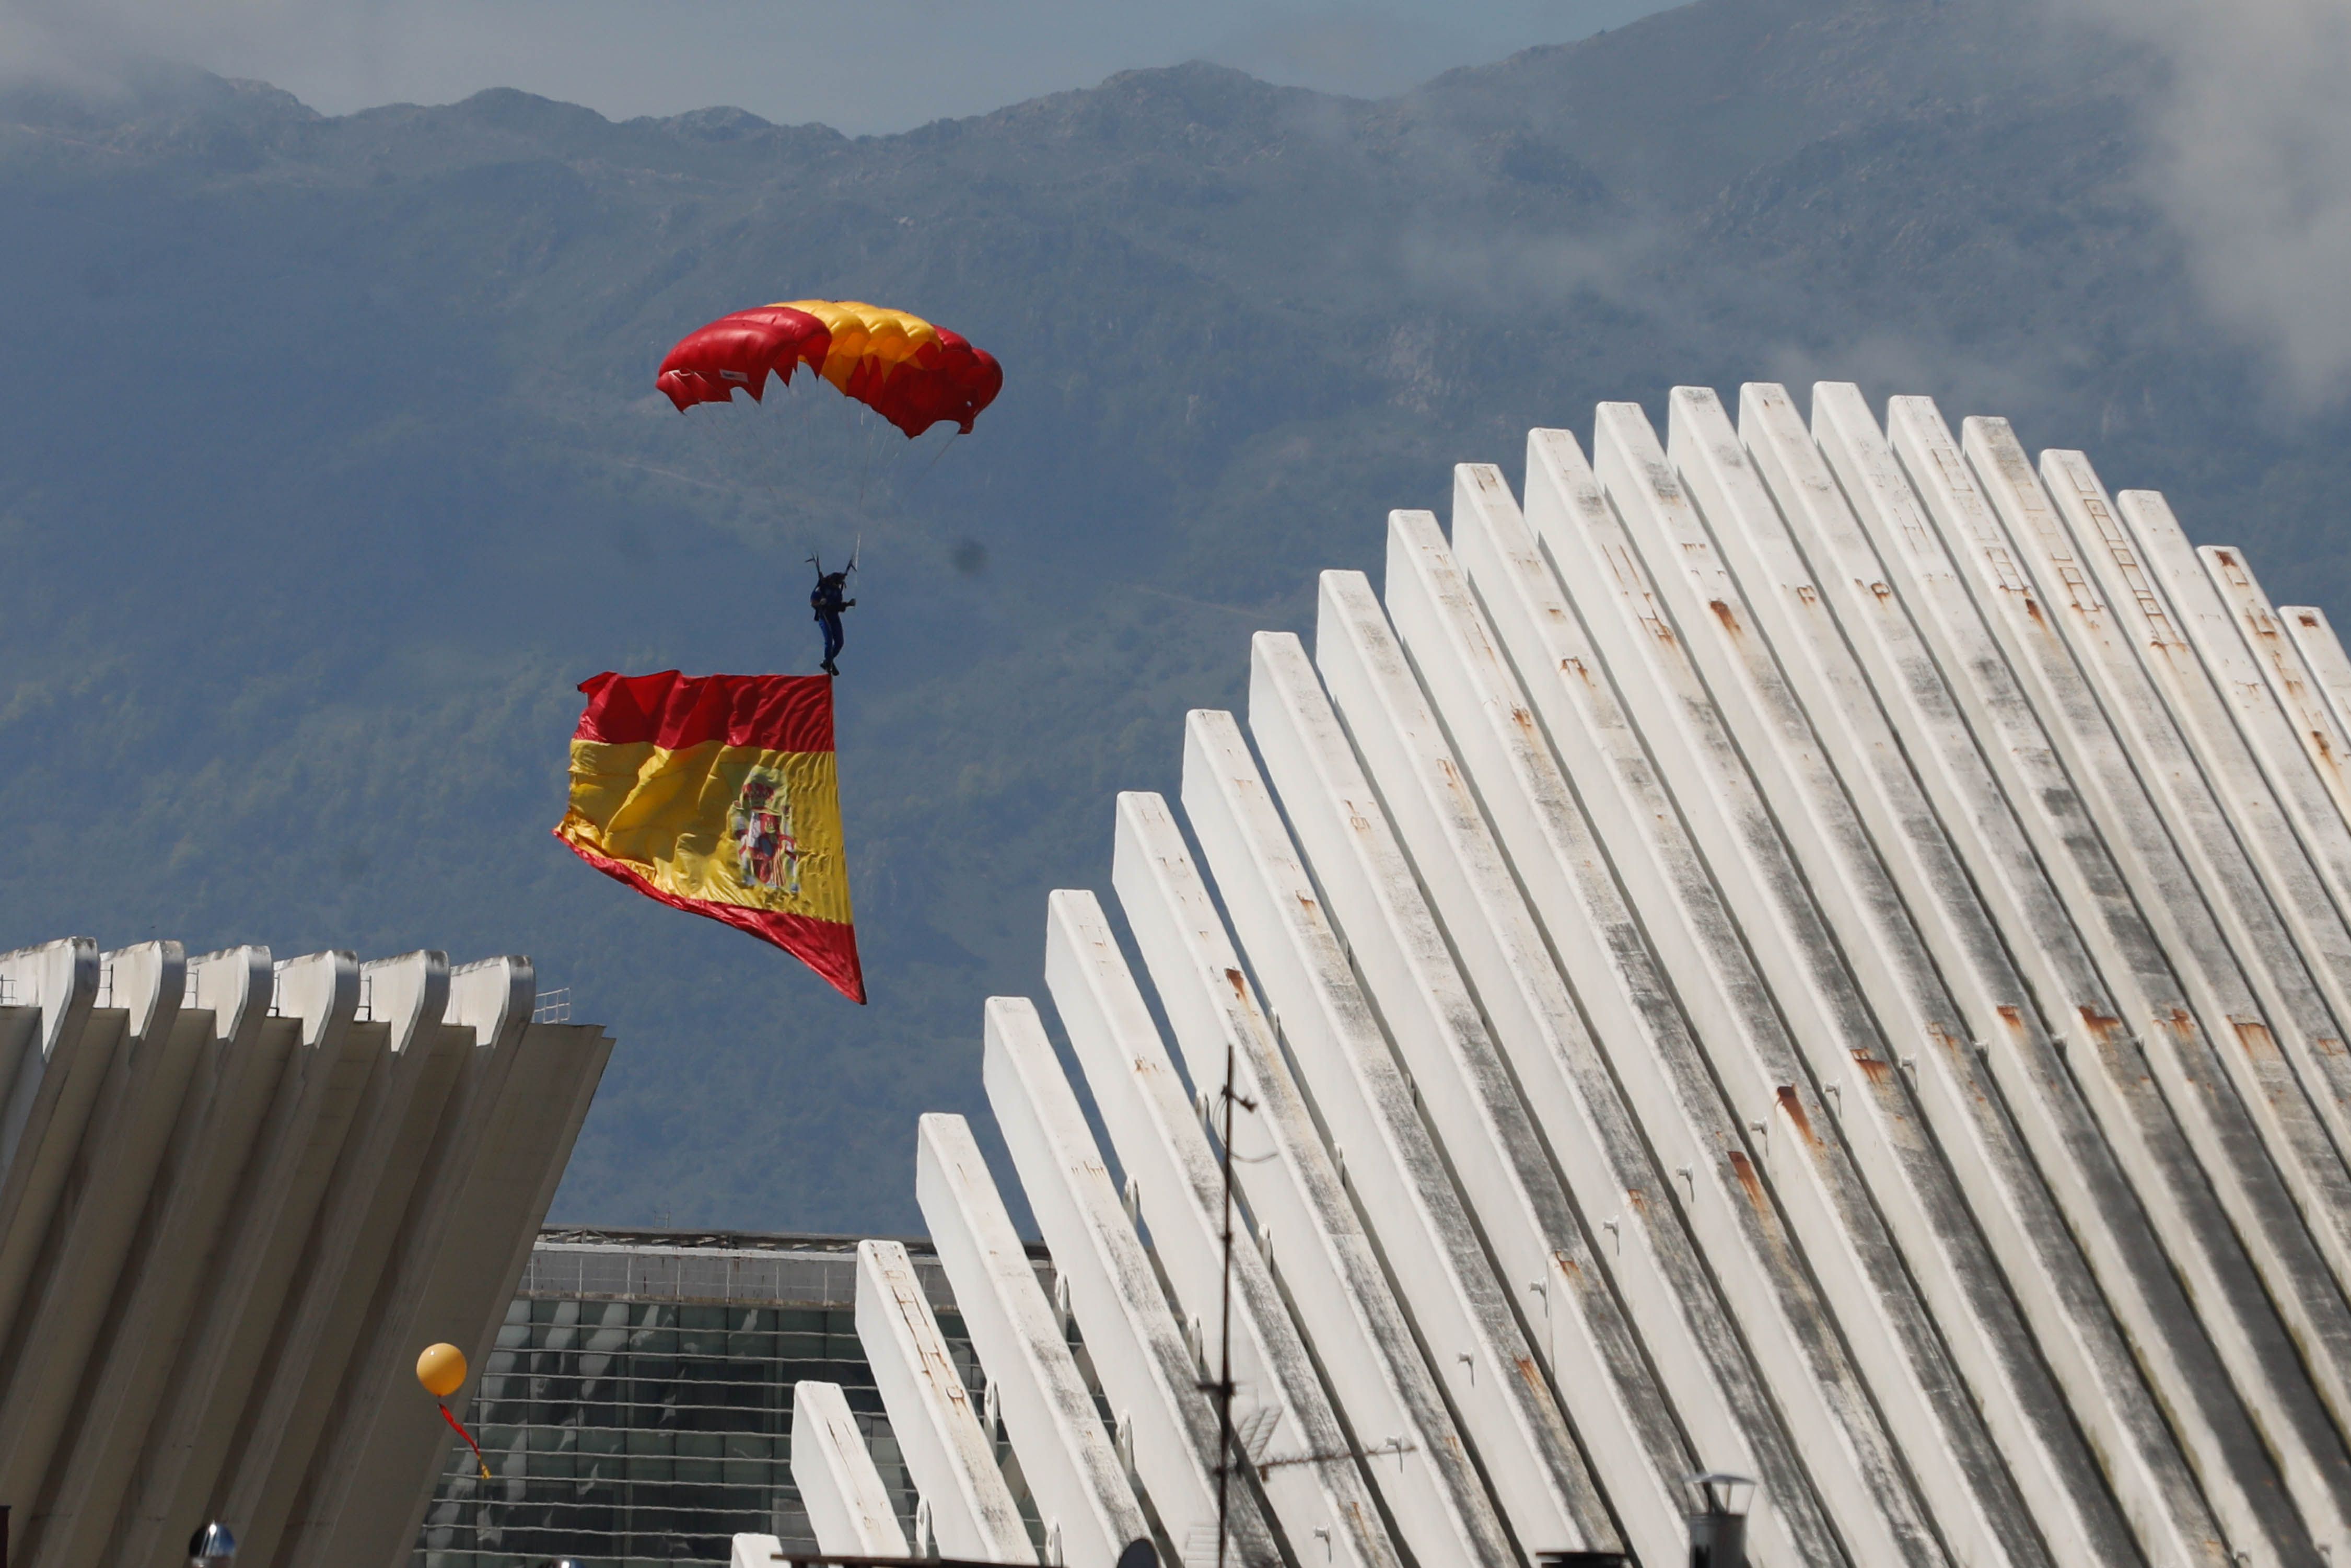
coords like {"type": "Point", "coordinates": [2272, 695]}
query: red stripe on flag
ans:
{"type": "Point", "coordinates": [827, 946]}
{"type": "Point", "coordinates": [770, 713]}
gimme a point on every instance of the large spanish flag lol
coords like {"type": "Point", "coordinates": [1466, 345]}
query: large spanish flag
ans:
{"type": "Point", "coordinates": [716, 794]}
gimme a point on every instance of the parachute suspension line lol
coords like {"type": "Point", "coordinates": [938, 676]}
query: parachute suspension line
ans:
{"type": "Point", "coordinates": [754, 435]}
{"type": "Point", "coordinates": [762, 443]}
{"type": "Point", "coordinates": [866, 424]}
{"type": "Point", "coordinates": [907, 373]}
{"type": "Point", "coordinates": [734, 453]}
{"type": "Point", "coordinates": [942, 451]}
{"type": "Point", "coordinates": [786, 448]}
{"type": "Point", "coordinates": [732, 446]}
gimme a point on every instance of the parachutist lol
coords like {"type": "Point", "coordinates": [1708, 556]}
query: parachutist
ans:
{"type": "Point", "coordinates": [827, 599]}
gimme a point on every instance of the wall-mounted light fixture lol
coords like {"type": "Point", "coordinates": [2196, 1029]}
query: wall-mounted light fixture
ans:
{"type": "Point", "coordinates": [1718, 1519]}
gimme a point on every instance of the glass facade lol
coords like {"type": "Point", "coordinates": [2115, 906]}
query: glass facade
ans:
{"type": "Point", "coordinates": [638, 1406]}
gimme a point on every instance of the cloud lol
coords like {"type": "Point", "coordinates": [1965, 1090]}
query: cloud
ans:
{"type": "Point", "coordinates": [1919, 361]}
{"type": "Point", "coordinates": [2251, 124]}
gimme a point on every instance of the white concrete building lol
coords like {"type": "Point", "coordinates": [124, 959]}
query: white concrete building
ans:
{"type": "Point", "coordinates": [1814, 949]}
{"type": "Point", "coordinates": [237, 1197]}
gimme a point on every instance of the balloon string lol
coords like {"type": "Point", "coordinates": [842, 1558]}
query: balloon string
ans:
{"type": "Point", "coordinates": [469, 1440]}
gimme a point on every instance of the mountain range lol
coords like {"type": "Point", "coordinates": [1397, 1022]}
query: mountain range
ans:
{"type": "Point", "coordinates": [330, 463]}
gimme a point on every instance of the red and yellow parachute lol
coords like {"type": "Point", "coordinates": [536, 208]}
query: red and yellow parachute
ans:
{"type": "Point", "coordinates": [912, 374]}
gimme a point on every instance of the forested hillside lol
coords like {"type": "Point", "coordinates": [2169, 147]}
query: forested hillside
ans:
{"type": "Point", "coordinates": [329, 462]}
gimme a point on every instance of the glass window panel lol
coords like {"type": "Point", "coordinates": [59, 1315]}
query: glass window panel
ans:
{"type": "Point", "coordinates": [641, 1429]}
{"type": "Point", "coordinates": [758, 1473]}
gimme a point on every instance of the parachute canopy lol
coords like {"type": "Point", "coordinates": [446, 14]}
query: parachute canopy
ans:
{"type": "Point", "coordinates": [912, 374]}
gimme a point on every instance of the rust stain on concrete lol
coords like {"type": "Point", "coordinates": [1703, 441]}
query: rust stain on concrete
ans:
{"type": "Point", "coordinates": [2254, 1036]}
{"type": "Point", "coordinates": [2106, 1027]}
{"type": "Point", "coordinates": [1792, 1105]}
{"type": "Point", "coordinates": [1744, 1169]}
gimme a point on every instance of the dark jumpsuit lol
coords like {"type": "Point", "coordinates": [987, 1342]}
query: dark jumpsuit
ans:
{"type": "Point", "coordinates": [826, 599]}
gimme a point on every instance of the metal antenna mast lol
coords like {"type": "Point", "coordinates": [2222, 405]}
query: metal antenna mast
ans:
{"type": "Point", "coordinates": [1224, 1383]}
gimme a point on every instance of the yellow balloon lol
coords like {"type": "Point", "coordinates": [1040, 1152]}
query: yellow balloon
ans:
{"type": "Point", "coordinates": [441, 1369]}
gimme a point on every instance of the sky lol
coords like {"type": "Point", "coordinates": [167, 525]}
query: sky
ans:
{"type": "Point", "coordinates": [862, 66]}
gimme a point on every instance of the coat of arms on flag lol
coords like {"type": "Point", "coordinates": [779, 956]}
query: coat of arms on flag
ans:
{"type": "Point", "coordinates": [716, 794]}
{"type": "Point", "coordinates": [766, 851]}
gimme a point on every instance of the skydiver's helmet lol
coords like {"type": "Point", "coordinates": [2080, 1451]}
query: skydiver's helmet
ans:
{"type": "Point", "coordinates": [212, 1546]}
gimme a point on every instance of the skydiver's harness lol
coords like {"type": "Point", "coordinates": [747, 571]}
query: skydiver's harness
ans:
{"type": "Point", "coordinates": [827, 597]}
{"type": "Point", "coordinates": [826, 600]}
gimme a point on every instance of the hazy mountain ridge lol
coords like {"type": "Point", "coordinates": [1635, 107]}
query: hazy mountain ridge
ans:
{"type": "Point", "coordinates": [332, 460]}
